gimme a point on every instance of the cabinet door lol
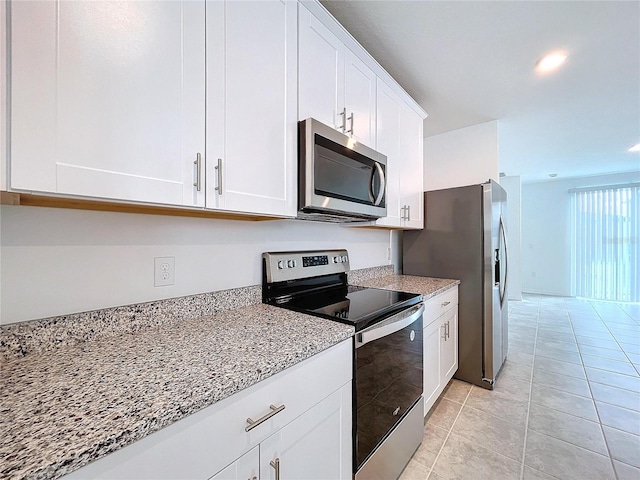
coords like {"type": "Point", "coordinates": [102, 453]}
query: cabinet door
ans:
{"type": "Point", "coordinates": [411, 177]}
{"type": "Point", "coordinates": [247, 467]}
{"type": "Point", "coordinates": [251, 135]}
{"type": "Point", "coordinates": [316, 445]}
{"type": "Point", "coordinates": [449, 346]}
{"type": "Point", "coordinates": [320, 72]}
{"type": "Point", "coordinates": [432, 338]}
{"type": "Point", "coordinates": [107, 99]}
{"type": "Point", "coordinates": [388, 107]}
{"type": "Point", "coordinates": [360, 99]}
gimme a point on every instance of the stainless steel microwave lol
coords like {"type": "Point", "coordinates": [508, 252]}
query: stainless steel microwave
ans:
{"type": "Point", "coordinates": [340, 180]}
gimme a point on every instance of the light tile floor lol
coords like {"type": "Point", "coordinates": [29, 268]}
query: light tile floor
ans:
{"type": "Point", "coordinates": [566, 405]}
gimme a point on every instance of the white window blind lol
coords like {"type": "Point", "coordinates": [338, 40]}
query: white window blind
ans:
{"type": "Point", "coordinates": [605, 231]}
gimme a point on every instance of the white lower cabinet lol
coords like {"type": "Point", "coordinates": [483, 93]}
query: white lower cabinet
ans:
{"type": "Point", "coordinates": [440, 344]}
{"type": "Point", "coordinates": [311, 435]}
{"type": "Point", "coordinates": [432, 382]}
{"type": "Point", "coordinates": [316, 445]}
{"type": "Point", "coordinates": [449, 345]}
{"type": "Point", "coordinates": [247, 467]}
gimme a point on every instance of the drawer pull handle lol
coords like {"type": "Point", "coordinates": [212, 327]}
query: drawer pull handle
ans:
{"type": "Point", "coordinates": [276, 466]}
{"type": "Point", "coordinates": [445, 304]}
{"type": "Point", "coordinates": [254, 423]}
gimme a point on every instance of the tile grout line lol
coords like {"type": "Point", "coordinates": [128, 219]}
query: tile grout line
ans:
{"type": "Point", "coordinates": [448, 433]}
{"type": "Point", "coordinates": [526, 425]}
{"type": "Point", "coordinates": [604, 437]}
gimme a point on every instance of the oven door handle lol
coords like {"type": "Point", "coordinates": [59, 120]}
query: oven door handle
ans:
{"type": "Point", "coordinates": [391, 325]}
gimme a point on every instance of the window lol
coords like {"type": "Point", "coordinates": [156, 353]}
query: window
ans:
{"type": "Point", "coordinates": [605, 231]}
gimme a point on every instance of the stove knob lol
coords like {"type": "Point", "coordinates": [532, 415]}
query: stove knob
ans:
{"type": "Point", "coordinates": [337, 259]}
{"type": "Point", "coordinates": [281, 264]}
{"type": "Point", "coordinates": [345, 258]}
{"type": "Point", "coordinates": [291, 263]}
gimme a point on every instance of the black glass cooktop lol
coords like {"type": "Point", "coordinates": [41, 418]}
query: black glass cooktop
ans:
{"type": "Point", "coordinates": [359, 306]}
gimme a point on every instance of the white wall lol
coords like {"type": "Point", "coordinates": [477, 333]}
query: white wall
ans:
{"type": "Point", "coordinates": [57, 261]}
{"type": "Point", "coordinates": [546, 231]}
{"type": "Point", "coordinates": [514, 281]}
{"type": "Point", "coordinates": [461, 157]}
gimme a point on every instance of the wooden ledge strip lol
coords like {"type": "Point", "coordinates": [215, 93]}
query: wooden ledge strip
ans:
{"type": "Point", "coordinates": [28, 200]}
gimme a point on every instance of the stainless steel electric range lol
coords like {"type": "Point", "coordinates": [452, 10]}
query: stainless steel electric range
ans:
{"type": "Point", "coordinates": [387, 377]}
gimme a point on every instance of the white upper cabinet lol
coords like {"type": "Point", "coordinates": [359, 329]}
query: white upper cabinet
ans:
{"type": "Point", "coordinates": [321, 71]}
{"type": "Point", "coordinates": [399, 137]}
{"type": "Point", "coordinates": [360, 99]}
{"type": "Point", "coordinates": [388, 134]}
{"type": "Point", "coordinates": [412, 168]}
{"type": "Point", "coordinates": [107, 99]}
{"type": "Point", "coordinates": [335, 86]}
{"type": "Point", "coordinates": [251, 107]}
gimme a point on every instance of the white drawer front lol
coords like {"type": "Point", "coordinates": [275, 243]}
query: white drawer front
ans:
{"type": "Point", "coordinates": [207, 441]}
{"type": "Point", "coordinates": [439, 305]}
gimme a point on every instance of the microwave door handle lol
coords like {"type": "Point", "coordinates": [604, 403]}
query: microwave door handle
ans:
{"type": "Point", "coordinates": [372, 182]}
{"type": "Point", "coordinates": [383, 184]}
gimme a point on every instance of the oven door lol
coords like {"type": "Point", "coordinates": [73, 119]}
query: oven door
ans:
{"type": "Point", "coordinates": [338, 175]}
{"type": "Point", "coordinates": [388, 378]}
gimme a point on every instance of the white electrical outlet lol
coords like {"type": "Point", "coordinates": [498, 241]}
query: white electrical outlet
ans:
{"type": "Point", "coordinates": [164, 271]}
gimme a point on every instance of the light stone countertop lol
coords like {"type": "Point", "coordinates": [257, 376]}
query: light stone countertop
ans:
{"type": "Point", "coordinates": [426, 286]}
{"type": "Point", "coordinates": [62, 409]}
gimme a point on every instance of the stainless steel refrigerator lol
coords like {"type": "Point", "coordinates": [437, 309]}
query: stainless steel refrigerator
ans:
{"type": "Point", "coordinates": [464, 238]}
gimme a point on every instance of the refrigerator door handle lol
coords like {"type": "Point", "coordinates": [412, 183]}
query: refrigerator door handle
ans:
{"type": "Point", "coordinates": [503, 283]}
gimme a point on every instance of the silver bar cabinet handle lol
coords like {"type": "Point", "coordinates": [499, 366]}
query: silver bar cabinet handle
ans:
{"type": "Point", "coordinates": [350, 119]}
{"type": "Point", "coordinates": [219, 169]}
{"type": "Point", "coordinates": [343, 127]}
{"type": "Point", "coordinates": [445, 304]}
{"type": "Point", "coordinates": [276, 466]}
{"type": "Point", "coordinates": [254, 423]}
{"type": "Point", "coordinates": [448, 332]}
{"type": "Point", "coordinates": [408, 213]}
{"type": "Point", "coordinates": [444, 335]}
{"type": "Point", "coordinates": [198, 164]}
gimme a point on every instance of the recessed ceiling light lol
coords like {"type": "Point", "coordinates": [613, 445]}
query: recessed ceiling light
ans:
{"type": "Point", "coordinates": [553, 175]}
{"type": "Point", "coordinates": [635, 148]}
{"type": "Point", "coordinates": [551, 61]}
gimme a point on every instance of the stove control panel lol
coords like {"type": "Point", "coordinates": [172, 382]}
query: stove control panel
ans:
{"type": "Point", "coordinates": [315, 261]}
{"type": "Point", "coordinates": [282, 266]}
